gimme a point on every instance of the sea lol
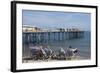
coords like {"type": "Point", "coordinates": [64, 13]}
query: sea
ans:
{"type": "Point", "coordinates": [83, 44]}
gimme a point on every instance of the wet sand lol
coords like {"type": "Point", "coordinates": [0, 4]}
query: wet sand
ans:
{"type": "Point", "coordinates": [53, 60]}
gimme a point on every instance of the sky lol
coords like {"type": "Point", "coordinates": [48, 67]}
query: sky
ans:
{"type": "Point", "coordinates": [53, 20]}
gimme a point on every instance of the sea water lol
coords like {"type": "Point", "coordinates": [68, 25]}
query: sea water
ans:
{"type": "Point", "coordinates": [83, 44]}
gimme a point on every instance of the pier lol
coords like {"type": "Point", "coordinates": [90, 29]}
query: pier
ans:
{"type": "Point", "coordinates": [49, 36]}
{"type": "Point", "coordinates": [32, 34]}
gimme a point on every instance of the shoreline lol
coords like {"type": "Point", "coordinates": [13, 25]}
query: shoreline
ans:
{"type": "Point", "coordinates": [74, 58]}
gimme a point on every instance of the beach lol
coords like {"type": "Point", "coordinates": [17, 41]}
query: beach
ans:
{"type": "Point", "coordinates": [76, 58]}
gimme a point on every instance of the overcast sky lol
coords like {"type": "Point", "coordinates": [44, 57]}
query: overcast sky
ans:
{"type": "Point", "coordinates": [52, 20]}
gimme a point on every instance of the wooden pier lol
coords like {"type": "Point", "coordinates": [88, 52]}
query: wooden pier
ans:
{"type": "Point", "coordinates": [48, 36]}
